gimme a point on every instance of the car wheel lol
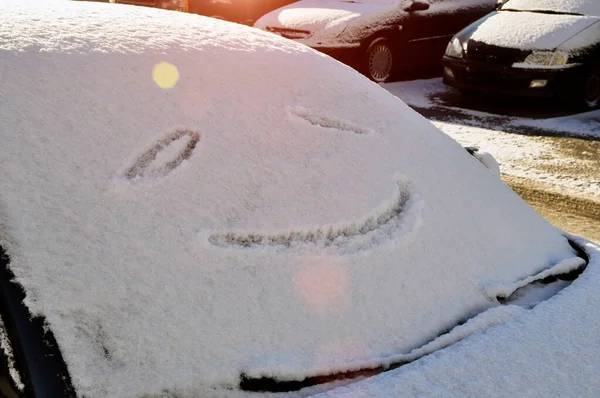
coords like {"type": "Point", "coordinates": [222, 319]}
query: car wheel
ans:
{"type": "Point", "coordinates": [589, 92]}
{"type": "Point", "coordinates": [380, 60]}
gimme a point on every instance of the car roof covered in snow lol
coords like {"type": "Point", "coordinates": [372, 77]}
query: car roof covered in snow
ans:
{"type": "Point", "coordinates": [186, 200]}
{"type": "Point", "coordinates": [542, 25]}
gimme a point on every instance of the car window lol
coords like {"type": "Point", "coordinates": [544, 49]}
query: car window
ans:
{"type": "Point", "coordinates": [583, 7]}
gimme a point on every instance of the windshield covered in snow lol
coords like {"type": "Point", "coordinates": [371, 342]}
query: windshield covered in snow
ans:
{"type": "Point", "coordinates": [581, 7]}
{"type": "Point", "coordinates": [220, 204]}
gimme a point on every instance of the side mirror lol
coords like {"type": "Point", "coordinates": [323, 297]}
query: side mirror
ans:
{"type": "Point", "coordinates": [418, 5]}
{"type": "Point", "coordinates": [500, 3]}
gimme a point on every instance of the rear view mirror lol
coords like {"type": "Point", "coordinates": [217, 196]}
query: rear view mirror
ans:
{"type": "Point", "coordinates": [418, 5]}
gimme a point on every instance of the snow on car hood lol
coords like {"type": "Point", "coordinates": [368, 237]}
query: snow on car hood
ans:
{"type": "Point", "coordinates": [529, 30]}
{"type": "Point", "coordinates": [186, 200]}
{"type": "Point", "coordinates": [325, 20]}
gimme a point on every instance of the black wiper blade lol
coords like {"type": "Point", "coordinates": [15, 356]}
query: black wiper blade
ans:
{"type": "Point", "coordinates": [552, 12]}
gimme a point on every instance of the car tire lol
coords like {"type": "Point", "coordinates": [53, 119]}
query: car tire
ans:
{"type": "Point", "coordinates": [588, 93]}
{"type": "Point", "coordinates": [379, 62]}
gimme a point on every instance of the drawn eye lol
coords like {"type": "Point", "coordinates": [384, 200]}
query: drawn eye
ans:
{"type": "Point", "coordinates": [165, 155]}
{"type": "Point", "coordinates": [330, 122]}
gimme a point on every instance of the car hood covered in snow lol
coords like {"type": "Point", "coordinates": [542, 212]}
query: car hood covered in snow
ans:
{"type": "Point", "coordinates": [219, 201]}
{"type": "Point", "coordinates": [531, 30]}
{"type": "Point", "coordinates": [329, 23]}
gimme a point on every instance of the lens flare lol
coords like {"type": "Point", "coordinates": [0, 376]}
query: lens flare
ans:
{"type": "Point", "coordinates": [321, 282]}
{"type": "Point", "coordinates": [165, 75]}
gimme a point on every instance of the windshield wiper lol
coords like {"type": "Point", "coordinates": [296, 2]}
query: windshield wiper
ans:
{"type": "Point", "coordinates": [552, 12]}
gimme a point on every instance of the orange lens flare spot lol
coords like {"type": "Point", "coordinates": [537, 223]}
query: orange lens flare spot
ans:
{"type": "Point", "coordinates": [165, 75]}
{"type": "Point", "coordinates": [321, 282]}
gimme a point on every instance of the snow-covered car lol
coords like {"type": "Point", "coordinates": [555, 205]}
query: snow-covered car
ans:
{"type": "Point", "coordinates": [240, 11]}
{"type": "Point", "coordinates": [377, 37]}
{"type": "Point", "coordinates": [220, 210]}
{"type": "Point", "coordinates": [537, 48]}
{"type": "Point", "coordinates": [174, 5]}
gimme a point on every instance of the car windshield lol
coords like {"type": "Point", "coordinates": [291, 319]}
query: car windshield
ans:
{"type": "Point", "coordinates": [577, 7]}
{"type": "Point", "coordinates": [194, 207]}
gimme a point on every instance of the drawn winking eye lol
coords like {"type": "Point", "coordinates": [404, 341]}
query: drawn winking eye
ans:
{"type": "Point", "coordinates": [326, 121]}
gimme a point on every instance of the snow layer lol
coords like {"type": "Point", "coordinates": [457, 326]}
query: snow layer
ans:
{"type": "Point", "coordinates": [331, 23]}
{"type": "Point", "coordinates": [584, 40]}
{"type": "Point", "coordinates": [531, 31]}
{"type": "Point", "coordinates": [488, 160]}
{"type": "Point", "coordinates": [317, 15]}
{"type": "Point", "coordinates": [524, 65]}
{"type": "Point", "coordinates": [583, 7]}
{"type": "Point", "coordinates": [584, 124]}
{"type": "Point", "coordinates": [342, 24]}
{"type": "Point", "coordinates": [504, 290]}
{"type": "Point", "coordinates": [452, 6]}
{"type": "Point", "coordinates": [549, 351]}
{"type": "Point", "coordinates": [116, 173]}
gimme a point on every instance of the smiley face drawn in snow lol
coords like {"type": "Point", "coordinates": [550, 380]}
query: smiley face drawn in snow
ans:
{"type": "Point", "coordinates": [347, 237]}
{"type": "Point", "coordinates": [169, 152]}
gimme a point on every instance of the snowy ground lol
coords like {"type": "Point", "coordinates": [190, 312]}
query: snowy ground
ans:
{"type": "Point", "coordinates": [524, 116]}
{"type": "Point", "coordinates": [547, 154]}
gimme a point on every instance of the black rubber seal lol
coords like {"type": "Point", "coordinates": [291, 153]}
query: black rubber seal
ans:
{"type": "Point", "coordinates": [37, 356]}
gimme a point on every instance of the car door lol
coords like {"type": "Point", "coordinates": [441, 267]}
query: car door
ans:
{"type": "Point", "coordinates": [429, 31]}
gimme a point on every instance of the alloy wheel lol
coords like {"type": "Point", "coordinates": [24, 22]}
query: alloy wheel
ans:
{"type": "Point", "coordinates": [380, 59]}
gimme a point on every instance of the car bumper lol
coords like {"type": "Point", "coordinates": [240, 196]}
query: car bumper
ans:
{"type": "Point", "coordinates": [506, 80]}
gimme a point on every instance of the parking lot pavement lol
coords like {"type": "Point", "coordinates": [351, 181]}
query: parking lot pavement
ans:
{"type": "Point", "coordinates": [547, 154]}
